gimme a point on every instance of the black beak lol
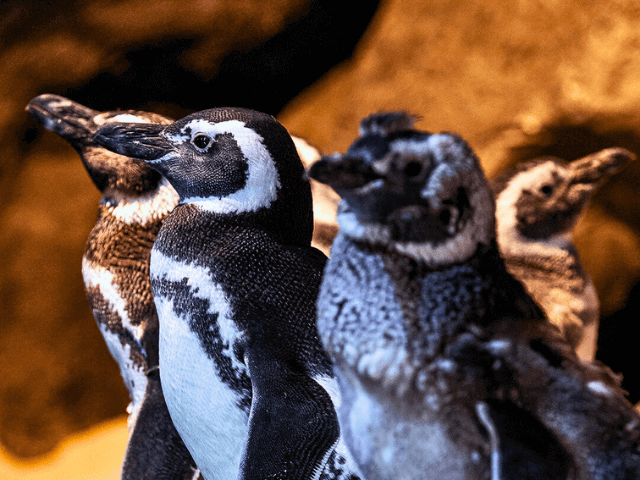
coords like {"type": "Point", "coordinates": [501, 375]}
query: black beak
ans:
{"type": "Point", "coordinates": [71, 120]}
{"type": "Point", "coordinates": [137, 140]}
{"type": "Point", "coordinates": [342, 173]}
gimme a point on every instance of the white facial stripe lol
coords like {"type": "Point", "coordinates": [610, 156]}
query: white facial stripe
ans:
{"type": "Point", "coordinates": [144, 209]}
{"type": "Point", "coordinates": [510, 239]}
{"type": "Point", "coordinates": [122, 118]}
{"type": "Point", "coordinates": [262, 184]}
{"type": "Point", "coordinates": [127, 118]}
{"type": "Point", "coordinates": [477, 230]}
{"type": "Point", "coordinates": [97, 276]}
{"type": "Point", "coordinates": [415, 146]}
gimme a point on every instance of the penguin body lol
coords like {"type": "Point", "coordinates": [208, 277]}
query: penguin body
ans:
{"type": "Point", "coordinates": [235, 281]}
{"type": "Point", "coordinates": [447, 368]}
{"type": "Point", "coordinates": [537, 207]}
{"type": "Point", "coordinates": [115, 268]}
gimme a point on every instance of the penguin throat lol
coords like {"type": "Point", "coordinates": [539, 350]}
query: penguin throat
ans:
{"type": "Point", "coordinates": [141, 209]}
{"type": "Point", "coordinates": [435, 255]}
{"type": "Point", "coordinates": [456, 243]}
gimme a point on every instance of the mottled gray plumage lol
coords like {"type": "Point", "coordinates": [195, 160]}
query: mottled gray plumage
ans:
{"type": "Point", "coordinates": [115, 266]}
{"type": "Point", "coordinates": [537, 206]}
{"type": "Point", "coordinates": [447, 368]}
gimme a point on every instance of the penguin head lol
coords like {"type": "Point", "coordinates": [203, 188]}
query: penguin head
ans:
{"type": "Point", "coordinates": [542, 199]}
{"type": "Point", "coordinates": [110, 172]}
{"type": "Point", "coordinates": [419, 193]}
{"type": "Point", "coordinates": [227, 161]}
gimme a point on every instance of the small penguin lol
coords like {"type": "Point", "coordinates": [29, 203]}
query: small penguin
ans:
{"type": "Point", "coordinates": [446, 367]}
{"type": "Point", "coordinates": [537, 206]}
{"type": "Point", "coordinates": [115, 268]}
{"type": "Point", "coordinates": [235, 281]}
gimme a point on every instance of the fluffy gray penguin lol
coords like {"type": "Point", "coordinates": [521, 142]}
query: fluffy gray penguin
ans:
{"type": "Point", "coordinates": [538, 204]}
{"type": "Point", "coordinates": [115, 267]}
{"type": "Point", "coordinates": [235, 281]}
{"type": "Point", "coordinates": [446, 367]}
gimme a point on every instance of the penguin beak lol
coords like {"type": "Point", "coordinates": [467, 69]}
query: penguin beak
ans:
{"type": "Point", "coordinates": [591, 169]}
{"type": "Point", "coordinates": [70, 120]}
{"type": "Point", "coordinates": [342, 173]}
{"type": "Point", "coordinates": [143, 141]}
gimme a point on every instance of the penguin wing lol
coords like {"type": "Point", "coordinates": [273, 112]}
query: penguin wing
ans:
{"type": "Point", "coordinates": [521, 447]}
{"type": "Point", "coordinates": [155, 449]}
{"type": "Point", "coordinates": [580, 404]}
{"type": "Point", "coordinates": [292, 423]}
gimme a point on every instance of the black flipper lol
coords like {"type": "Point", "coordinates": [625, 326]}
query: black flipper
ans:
{"type": "Point", "coordinates": [155, 450]}
{"type": "Point", "coordinates": [522, 448]}
{"type": "Point", "coordinates": [292, 424]}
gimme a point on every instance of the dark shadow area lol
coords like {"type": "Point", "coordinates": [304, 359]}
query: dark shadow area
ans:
{"type": "Point", "coordinates": [618, 343]}
{"type": "Point", "coordinates": [263, 78]}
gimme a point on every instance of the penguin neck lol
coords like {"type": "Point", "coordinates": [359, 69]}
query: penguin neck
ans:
{"type": "Point", "coordinates": [492, 291]}
{"type": "Point", "coordinates": [141, 209]}
{"type": "Point", "coordinates": [120, 268]}
{"type": "Point", "coordinates": [189, 225]}
{"type": "Point", "coordinates": [553, 256]}
{"type": "Point", "coordinates": [513, 242]}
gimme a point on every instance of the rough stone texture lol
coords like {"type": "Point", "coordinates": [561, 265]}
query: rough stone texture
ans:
{"type": "Point", "coordinates": [517, 80]}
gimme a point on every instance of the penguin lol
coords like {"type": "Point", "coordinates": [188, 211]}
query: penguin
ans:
{"type": "Point", "coordinates": [235, 281]}
{"type": "Point", "coordinates": [325, 200]}
{"type": "Point", "coordinates": [447, 368]}
{"type": "Point", "coordinates": [115, 268]}
{"type": "Point", "coordinates": [538, 204]}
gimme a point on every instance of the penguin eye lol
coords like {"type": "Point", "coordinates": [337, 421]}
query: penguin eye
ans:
{"type": "Point", "coordinates": [201, 141]}
{"type": "Point", "coordinates": [546, 190]}
{"type": "Point", "coordinates": [445, 217]}
{"type": "Point", "coordinates": [412, 168]}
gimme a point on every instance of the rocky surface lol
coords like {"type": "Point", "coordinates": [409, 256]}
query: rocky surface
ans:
{"type": "Point", "coordinates": [517, 80]}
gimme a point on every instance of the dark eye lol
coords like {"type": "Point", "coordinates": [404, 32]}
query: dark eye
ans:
{"type": "Point", "coordinates": [201, 141]}
{"type": "Point", "coordinates": [412, 168]}
{"type": "Point", "coordinates": [445, 217]}
{"type": "Point", "coordinates": [546, 190]}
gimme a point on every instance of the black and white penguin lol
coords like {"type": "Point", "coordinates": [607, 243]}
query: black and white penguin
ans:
{"type": "Point", "coordinates": [447, 368]}
{"type": "Point", "coordinates": [235, 281]}
{"type": "Point", "coordinates": [115, 268]}
{"type": "Point", "coordinates": [538, 204]}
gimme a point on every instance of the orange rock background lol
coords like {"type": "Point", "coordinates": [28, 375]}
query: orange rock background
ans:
{"type": "Point", "coordinates": [517, 80]}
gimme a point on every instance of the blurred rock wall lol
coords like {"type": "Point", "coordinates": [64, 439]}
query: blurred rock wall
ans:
{"type": "Point", "coordinates": [517, 80]}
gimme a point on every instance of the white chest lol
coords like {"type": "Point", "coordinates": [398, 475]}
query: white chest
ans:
{"type": "Point", "coordinates": [202, 405]}
{"type": "Point", "coordinates": [133, 374]}
{"type": "Point", "coordinates": [386, 444]}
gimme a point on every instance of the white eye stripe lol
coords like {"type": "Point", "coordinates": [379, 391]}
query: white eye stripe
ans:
{"type": "Point", "coordinates": [263, 181]}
